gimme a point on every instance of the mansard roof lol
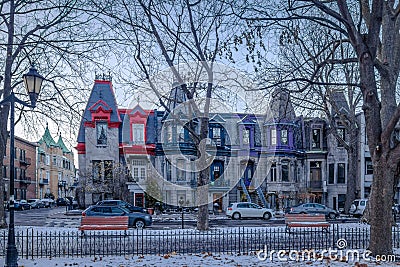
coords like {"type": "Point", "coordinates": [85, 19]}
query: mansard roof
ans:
{"type": "Point", "coordinates": [280, 107]}
{"type": "Point", "coordinates": [339, 104]}
{"type": "Point", "coordinates": [102, 97]}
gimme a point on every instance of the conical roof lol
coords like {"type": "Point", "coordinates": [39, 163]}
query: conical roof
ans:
{"type": "Point", "coordinates": [61, 144]}
{"type": "Point", "coordinates": [46, 138]}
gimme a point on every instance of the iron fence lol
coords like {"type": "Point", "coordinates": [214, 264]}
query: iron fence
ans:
{"type": "Point", "coordinates": [32, 243]}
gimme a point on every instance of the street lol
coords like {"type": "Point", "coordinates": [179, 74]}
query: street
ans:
{"type": "Point", "coordinates": [55, 217]}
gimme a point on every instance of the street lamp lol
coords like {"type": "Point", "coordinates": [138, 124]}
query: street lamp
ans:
{"type": "Point", "coordinates": [33, 82]}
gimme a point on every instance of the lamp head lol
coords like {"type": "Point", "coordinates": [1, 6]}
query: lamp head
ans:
{"type": "Point", "coordinates": [33, 83]}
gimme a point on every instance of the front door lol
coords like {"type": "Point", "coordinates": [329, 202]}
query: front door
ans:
{"type": "Point", "coordinates": [248, 173]}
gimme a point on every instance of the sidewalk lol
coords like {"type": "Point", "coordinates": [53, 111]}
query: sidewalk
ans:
{"type": "Point", "coordinates": [200, 259]}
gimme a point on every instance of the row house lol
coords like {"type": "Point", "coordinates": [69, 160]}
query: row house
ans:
{"type": "Point", "coordinates": [24, 169]}
{"type": "Point", "coordinates": [56, 174]}
{"type": "Point", "coordinates": [277, 159]}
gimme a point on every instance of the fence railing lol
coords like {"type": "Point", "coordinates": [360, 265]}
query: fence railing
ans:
{"type": "Point", "coordinates": [33, 243]}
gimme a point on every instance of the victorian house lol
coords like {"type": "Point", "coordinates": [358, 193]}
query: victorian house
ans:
{"type": "Point", "coordinates": [276, 159]}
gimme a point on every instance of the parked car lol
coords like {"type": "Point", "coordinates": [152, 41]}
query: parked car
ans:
{"type": "Point", "coordinates": [123, 204]}
{"type": "Point", "coordinates": [36, 203]}
{"type": "Point", "coordinates": [48, 202]}
{"type": "Point", "coordinates": [136, 219]}
{"type": "Point", "coordinates": [72, 202]}
{"type": "Point", "coordinates": [314, 208]}
{"type": "Point", "coordinates": [248, 210]}
{"type": "Point", "coordinates": [61, 202]}
{"type": "Point", "coordinates": [22, 205]}
{"type": "Point", "coordinates": [358, 207]}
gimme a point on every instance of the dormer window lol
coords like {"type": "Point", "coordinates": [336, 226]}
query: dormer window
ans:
{"type": "Point", "coordinates": [246, 136]}
{"type": "Point", "coordinates": [138, 134]}
{"type": "Point", "coordinates": [101, 131]}
{"type": "Point", "coordinates": [316, 138]}
{"type": "Point", "coordinates": [341, 133]}
{"type": "Point", "coordinates": [216, 136]}
{"type": "Point", "coordinates": [273, 136]}
{"type": "Point", "coordinates": [284, 137]}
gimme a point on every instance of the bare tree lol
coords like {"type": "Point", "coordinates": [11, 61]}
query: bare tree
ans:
{"type": "Point", "coordinates": [162, 34]}
{"type": "Point", "coordinates": [54, 36]}
{"type": "Point", "coordinates": [372, 30]}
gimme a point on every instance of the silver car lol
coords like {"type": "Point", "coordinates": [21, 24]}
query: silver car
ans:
{"type": "Point", "coordinates": [314, 208]}
{"type": "Point", "coordinates": [240, 210]}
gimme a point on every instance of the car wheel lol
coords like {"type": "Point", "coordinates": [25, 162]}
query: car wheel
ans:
{"type": "Point", "coordinates": [139, 224]}
{"type": "Point", "coordinates": [236, 216]}
{"type": "Point", "coordinates": [332, 216]}
{"type": "Point", "coordinates": [267, 216]}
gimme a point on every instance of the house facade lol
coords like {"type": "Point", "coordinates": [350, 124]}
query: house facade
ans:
{"type": "Point", "coordinates": [276, 159]}
{"type": "Point", "coordinates": [56, 174]}
{"type": "Point", "coordinates": [24, 169]}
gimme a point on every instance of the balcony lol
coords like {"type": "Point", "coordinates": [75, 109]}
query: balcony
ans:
{"type": "Point", "coordinates": [25, 161]}
{"type": "Point", "coordinates": [44, 182]}
{"type": "Point", "coordinates": [220, 183]}
{"type": "Point", "coordinates": [25, 180]}
{"type": "Point", "coordinates": [316, 184]}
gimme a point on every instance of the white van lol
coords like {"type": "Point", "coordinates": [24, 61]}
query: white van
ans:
{"type": "Point", "coordinates": [358, 207]}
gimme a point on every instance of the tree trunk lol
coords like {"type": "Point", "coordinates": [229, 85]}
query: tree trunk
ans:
{"type": "Point", "coordinates": [352, 156]}
{"type": "Point", "coordinates": [203, 178]}
{"type": "Point", "coordinates": [380, 204]}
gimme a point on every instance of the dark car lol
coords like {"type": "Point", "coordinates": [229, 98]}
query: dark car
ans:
{"type": "Point", "coordinates": [123, 204]}
{"type": "Point", "coordinates": [22, 205]}
{"type": "Point", "coordinates": [61, 201]}
{"type": "Point", "coordinates": [136, 219]}
{"type": "Point", "coordinates": [314, 208]}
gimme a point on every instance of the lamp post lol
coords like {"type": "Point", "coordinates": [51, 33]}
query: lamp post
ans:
{"type": "Point", "coordinates": [33, 82]}
{"type": "Point", "coordinates": [181, 202]}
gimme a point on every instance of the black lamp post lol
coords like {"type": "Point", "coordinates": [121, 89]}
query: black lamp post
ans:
{"type": "Point", "coordinates": [181, 202]}
{"type": "Point", "coordinates": [33, 83]}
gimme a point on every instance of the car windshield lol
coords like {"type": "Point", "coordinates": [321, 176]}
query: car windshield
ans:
{"type": "Point", "coordinates": [124, 209]}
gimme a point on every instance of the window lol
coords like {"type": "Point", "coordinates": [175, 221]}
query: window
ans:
{"type": "Point", "coordinates": [108, 169]}
{"type": "Point", "coordinates": [341, 178]}
{"type": "Point", "coordinates": [168, 134]}
{"type": "Point", "coordinates": [331, 177]}
{"type": "Point", "coordinates": [55, 160]}
{"type": "Point", "coordinates": [48, 160]}
{"type": "Point", "coordinates": [272, 172]}
{"type": "Point", "coordinates": [180, 172]}
{"type": "Point", "coordinates": [273, 137]}
{"type": "Point", "coordinates": [316, 138]}
{"type": "Point", "coordinates": [216, 135]}
{"type": "Point", "coordinates": [139, 169]}
{"type": "Point", "coordinates": [284, 137]}
{"type": "Point", "coordinates": [48, 176]}
{"type": "Point", "coordinates": [369, 168]}
{"type": "Point", "coordinates": [101, 130]}
{"type": "Point", "coordinates": [285, 172]}
{"type": "Point", "coordinates": [181, 133]}
{"type": "Point", "coordinates": [22, 155]}
{"type": "Point", "coordinates": [168, 170]}
{"type": "Point", "coordinates": [246, 136]}
{"type": "Point", "coordinates": [341, 134]}
{"type": "Point", "coordinates": [4, 171]}
{"type": "Point", "coordinates": [138, 134]}
{"type": "Point", "coordinates": [96, 171]}
{"type": "Point", "coordinates": [216, 170]}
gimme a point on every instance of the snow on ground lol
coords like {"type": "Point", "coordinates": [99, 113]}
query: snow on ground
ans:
{"type": "Point", "coordinates": [192, 260]}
